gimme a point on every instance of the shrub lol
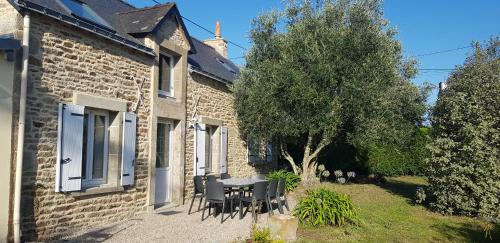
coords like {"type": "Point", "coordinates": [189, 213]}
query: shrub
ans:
{"type": "Point", "coordinates": [464, 167]}
{"type": "Point", "coordinates": [262, 235]}
{"type": "Point", "coordinates": [292, 180]}
{"type": "Point", "coordinates": [325, 207]}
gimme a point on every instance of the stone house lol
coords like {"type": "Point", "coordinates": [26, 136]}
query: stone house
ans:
{"type": "Point", "coordinates": [107, 112]}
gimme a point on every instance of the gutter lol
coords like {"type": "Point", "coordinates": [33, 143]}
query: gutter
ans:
{"type": "Point", "coordinates": [20, 134]}
{"type": "Point", "coordinates": [94, 28]}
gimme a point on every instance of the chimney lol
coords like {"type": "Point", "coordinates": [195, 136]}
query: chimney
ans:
{"type": "Point", "coordinates": [218, 43]}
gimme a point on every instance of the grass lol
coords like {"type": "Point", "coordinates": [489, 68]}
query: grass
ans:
{"type": "Point", "coordinates": [387, 214]}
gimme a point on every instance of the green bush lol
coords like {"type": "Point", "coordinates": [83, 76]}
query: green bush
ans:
{"type": "Point", "coordinates": [325, 207]}
{"type": "Point", "coordinates": [292, 180]}
{"type": "Point", "coordinates": [262, 235]}
{"type": "Point", "coordinates": [464, 167]}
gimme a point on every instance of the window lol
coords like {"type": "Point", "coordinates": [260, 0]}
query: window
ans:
{"type": "Point", "coordinates": [166, 79]}
{"type": "Point", "coordinates": [226, 66]}
{"type": "Point", "coordinates": [259, 152]}
{"type": "Point", "coordinates": [163, 145]}
{"type": "Point", "coordinates": [81, 10]}
{"type": "Point", "coordinates": [95, 148]}
{"type": "Point", "coordinates": [209, 145]}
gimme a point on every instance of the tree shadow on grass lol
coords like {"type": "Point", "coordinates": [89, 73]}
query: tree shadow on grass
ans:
{"type": "Point", "coordinates": [401, 188]}
{"type": "Point", "coordinates": [472, 232]}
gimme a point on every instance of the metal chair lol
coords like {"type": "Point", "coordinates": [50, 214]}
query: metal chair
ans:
{"type": "Point", "coordinates": [271, 195]}
{"type": "Point", "coordinates": [281, 196]}
{"type": "Point", "coordinates": [211, 178]}
{"type": "Point", "coordinates": [215, 195]}
{"type": "Point", "coordinates": [259, 195]}
{"type": "Point", "coordinates": [225, 176]}
{"type": "Point", "coordinates": [199, 190]}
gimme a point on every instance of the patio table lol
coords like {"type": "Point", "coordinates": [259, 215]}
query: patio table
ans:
{"type": "Point", "coordinates": [239, 183]}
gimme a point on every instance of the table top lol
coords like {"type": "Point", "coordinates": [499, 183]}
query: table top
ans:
{"type": "Point", "coordinates": [239, 182]}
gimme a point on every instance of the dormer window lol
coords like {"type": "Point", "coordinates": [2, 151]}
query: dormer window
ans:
{"type": "Point", "coordinates": [166, 79]}
{"type": "Point", "coordinates": [80, 10]}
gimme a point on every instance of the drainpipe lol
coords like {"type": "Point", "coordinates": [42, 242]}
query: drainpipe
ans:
{"type": "Point", "coordinates": [20, 132]}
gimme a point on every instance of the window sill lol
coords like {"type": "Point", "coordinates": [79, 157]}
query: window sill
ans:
{"type": "Point", "coordinates": [165, 95]}
{"type": "Point", "coordinates": [98, 191]}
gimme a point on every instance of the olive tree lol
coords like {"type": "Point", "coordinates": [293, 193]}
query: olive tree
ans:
{"type": "Point", "coordinates": [323, 72]}
{"type": "Point", "coordinates": [464, 167]}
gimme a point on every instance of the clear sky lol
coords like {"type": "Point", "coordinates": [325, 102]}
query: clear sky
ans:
{"type": "Point", "coordinates": [424, 26]}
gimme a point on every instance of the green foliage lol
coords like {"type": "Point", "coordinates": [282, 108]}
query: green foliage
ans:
{"type": "Point", "coordinates": [262, 235]}
{"type": "Point", "coordinates": [291, 179]}
{"type": "Point", "coordinates": [325, 207]}
{"type": "Point", "coordinates": [324, 71]}
{"type": "Point", "coordinates": [400, 159]}
{"type": "Point", "coordinates": [464, 167]}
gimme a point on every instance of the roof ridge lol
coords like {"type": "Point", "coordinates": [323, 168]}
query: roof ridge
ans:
{"type": "Point", "coordinates": [147, 8]}
{"type": "Point", "coordinates": [127, 3]}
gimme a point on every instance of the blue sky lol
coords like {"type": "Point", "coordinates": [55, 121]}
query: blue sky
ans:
{"type": "Point", "coordinates": [424, 26]}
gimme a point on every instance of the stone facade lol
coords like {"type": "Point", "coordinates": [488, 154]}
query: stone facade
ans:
{"type": "Point", "coordinates": [215, 106]}
{"type": "Point", "coordinates": [10, 19]}
{"type": "Point", "coordinates": [64, 60]}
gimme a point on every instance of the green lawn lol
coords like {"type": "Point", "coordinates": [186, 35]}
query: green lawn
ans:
{"type": "Point", "coordinates": [388, 215]}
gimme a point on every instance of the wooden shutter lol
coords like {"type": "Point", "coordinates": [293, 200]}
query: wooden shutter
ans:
{"type": "Point", "coordinates": [223, 150]}
{"type": "Point", "coordinates": [269, 152]}
{"type": "Point", "coordinates": [70, 148]}
{"type": "Point", "coordinates": [200, 149]}
{"type": "Point", "coordinates": [128, 148]}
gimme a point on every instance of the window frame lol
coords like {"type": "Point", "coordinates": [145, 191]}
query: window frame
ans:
{"type": "Point", "coordinates": [165, 93]}
{"type": "Point", "coordinates": [89, 181]}
{"type": "Point", "coordinates": [171, 140]}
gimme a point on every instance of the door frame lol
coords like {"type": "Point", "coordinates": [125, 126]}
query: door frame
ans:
{"type": "Point", "coordinates": [171, 157]}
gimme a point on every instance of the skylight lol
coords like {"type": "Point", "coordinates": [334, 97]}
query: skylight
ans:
{"type": "Point", "coordinates": [81, 10]}
{"type": "Point", "coordinates": [226, 66]}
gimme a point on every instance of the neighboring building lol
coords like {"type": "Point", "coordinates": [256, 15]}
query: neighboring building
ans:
{"type": "Point", "coordinates": [123, 107]}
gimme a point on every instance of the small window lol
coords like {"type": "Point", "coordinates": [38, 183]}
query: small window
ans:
{"type": "Point", "coordinates": [95, 148]}
{"type": "Point", "coordinates": [81, 10]}
{"type": "Point", "coordinates": [209, 145]}
{"type": "Point", "coordinates": [163, 145]}
{"type": "Point", "coordinates": [226, 66]}
{"type": "Point", "coordinates": [259, 152]}
{"type": "Point", "coordinates": [166, 76]}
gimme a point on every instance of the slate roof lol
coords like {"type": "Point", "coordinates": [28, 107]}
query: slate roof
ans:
{"type": "Point", "coordinates": [208, 60]}
{"type": "Point", "coordinates": [129, 22]}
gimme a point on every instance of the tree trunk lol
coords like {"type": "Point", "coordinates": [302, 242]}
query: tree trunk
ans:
{"type": "Point", "coordinates": [309, 163]}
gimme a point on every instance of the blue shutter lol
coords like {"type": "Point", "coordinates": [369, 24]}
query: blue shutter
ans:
{"type": "Point", "coordinates": [70, 148]}
{"type": "Point", "coordinates": [128, 148]}
{"type": "Point", "coordinates": [223, 150]}
{"type": "Point", "coordinates": [199, 147]}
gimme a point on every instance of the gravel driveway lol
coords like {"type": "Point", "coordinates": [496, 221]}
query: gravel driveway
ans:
{"type": "Point", "coordinates": [173, 224]}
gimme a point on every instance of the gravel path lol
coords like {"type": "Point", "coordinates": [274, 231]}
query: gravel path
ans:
{"type": "Point", "coordinates": [173, 224]}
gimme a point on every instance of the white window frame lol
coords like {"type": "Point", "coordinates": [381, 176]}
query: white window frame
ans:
{"type": "Point", "coordinates": [170, 142]}
{"type": "Point", "coordinates": [164, 93]}
{"type": "Point", "coordinates": [89, 181]}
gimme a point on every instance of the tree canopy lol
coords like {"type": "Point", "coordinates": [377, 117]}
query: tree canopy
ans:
{"type": "Point", "coordinates": [464, 168]}
{"type": "Point", "coordinates": [326, 71]}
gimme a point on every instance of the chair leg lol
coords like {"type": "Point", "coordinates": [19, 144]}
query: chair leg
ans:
{"type": "Point", "coordinates": [231, 208]}
{"type": "Point", "coordinates": [209, 208]}
{"type": "Point", "coordinates": [286, 204]}
{"type": "Point", "coordinates": [269, 206]}
{"type": "Point", "coordinates": [280, 207]}
{"type": "Point", "coordinates": [203, 214]}
{"type": "Point", "coordinates": [222, 213]}
{"type": "Point", "coordinates": [201, 199]}
{"type": "Point", "coordinates": [253, 212]}
{"type": "Point", "coordinates": [192, 201]}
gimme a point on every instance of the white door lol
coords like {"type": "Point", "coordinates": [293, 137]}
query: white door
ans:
{"type": "Point", "coordinates": [163, 158]}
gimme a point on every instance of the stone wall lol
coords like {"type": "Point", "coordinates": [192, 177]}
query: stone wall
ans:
{"type": "Point", "coordinates": [64, 60]}
{"type": "Point", "coordinates": [10, 19]}
{"type": "Point", "coordinates": [216, 102]}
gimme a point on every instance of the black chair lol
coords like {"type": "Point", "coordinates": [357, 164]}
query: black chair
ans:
{"type": "Point", "coordinates": [281, 196]}
{"type": "Point", "coordinates": [211, 178]}
{"type": "Point", "coordinates": [225, 176]}
{"type": "Point", "coordinates": [271, 195]}
{"type": "Point", "coordinates": [215, 195]}
{"type": "Point", "coordinates": [199, 190]}
{"type": "Point", "coordinates": [259, 195]}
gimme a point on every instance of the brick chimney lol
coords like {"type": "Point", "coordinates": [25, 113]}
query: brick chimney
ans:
{"type": "Point", "coordinates": [218, 43]}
